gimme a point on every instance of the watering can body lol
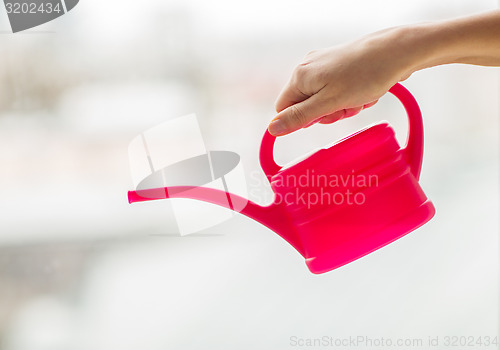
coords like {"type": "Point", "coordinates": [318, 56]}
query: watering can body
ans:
{"type": "Point", "coordinates": [342, 202]}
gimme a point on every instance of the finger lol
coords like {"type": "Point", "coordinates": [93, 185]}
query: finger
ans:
{"type": "Point", "coordinates": [368, 105]}
{"type": "Point", "coordinates": [289, 96]}
{"type": "Point", "coordinates": [344, 113]}
{"type": "Point", "coordinates": [332, 117]}
{"type": "Point", "coordinates": [300, 114]}
{"type": "Point", "coordinates": [350, 112]}
{"type": "Point", "coordinates": [312, 123]}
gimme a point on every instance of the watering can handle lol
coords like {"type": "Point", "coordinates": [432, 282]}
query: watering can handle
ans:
{"type": "Point", "coordinates": [413, 150]}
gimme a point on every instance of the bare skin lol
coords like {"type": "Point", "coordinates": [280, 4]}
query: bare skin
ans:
{"type": "Point", "coordinates": [338, 82]}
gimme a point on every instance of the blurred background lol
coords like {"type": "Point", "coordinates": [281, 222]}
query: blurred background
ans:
{"type": "Point", "coordinates": [82, 269]}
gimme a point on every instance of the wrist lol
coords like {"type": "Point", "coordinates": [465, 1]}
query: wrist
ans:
{"type": "Point", "coordinates": [421, 46]}
{"type": "Point", "coordinates": [404, 50]}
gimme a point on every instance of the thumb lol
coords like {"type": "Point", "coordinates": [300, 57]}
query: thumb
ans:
{"type": "Point", "coordinates": [300, 115]}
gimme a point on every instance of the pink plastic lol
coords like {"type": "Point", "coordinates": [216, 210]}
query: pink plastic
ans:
{"type": "Point", "coordinates": [341, 202]}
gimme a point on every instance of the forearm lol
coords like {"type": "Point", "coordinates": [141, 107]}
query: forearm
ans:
{"type": "Point", "coordinates": [469, 40]}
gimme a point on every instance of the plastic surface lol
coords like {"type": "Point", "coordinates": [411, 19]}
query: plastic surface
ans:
{"type": "Point", "coordinates": [341, 202]}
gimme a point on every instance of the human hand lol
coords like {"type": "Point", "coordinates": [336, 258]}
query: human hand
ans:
{"type": "Point", "coordinates": [338, 82]}
{"type": "Point", "coordinates": [335, 83]}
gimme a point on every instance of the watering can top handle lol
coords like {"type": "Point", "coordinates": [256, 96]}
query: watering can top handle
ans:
{"type": "Point", "coordinates": [414, 143]}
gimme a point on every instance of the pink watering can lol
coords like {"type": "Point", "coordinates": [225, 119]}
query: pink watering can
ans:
{"type": "Point", "coordinates": [341, 202]}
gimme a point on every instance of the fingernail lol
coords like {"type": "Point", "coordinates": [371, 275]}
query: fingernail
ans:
{"type": "Point", "coordinates": [277, 127]}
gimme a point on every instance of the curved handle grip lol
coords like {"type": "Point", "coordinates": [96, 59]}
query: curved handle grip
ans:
{"type": "Point", "coordinates": [414, 148]}
{"type": "Point", "coordinates": [413, 151]}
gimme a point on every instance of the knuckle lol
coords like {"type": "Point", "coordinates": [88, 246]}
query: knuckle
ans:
{"type": "Point", "coordinates": [311, 53]}
{"type": "Point", "coordinates": [301, 71]}
{"type": "Point", "coordinates": [322, 75]}
{"type": "Point", "coordinates": [296, 116]}
{"type": "Point", "coordinates": [276, 106]}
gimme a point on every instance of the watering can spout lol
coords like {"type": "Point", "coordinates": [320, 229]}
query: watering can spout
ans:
{"type": "Point", "coordinates": [270, 216]}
